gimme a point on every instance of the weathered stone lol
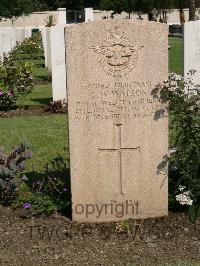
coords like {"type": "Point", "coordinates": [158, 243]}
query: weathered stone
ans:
{"type": "Point", "coordinates": [118, 132]}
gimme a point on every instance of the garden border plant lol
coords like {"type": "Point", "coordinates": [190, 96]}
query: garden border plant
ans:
{"type": "Point", "coordinates": [184, 156]}
{"type": "Point", "coordinates": [16, 80]}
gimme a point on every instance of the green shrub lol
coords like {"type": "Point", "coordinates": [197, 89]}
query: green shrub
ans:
{"type": "Point", "coordinates": [16, 81]}
{"type": "Point", "coordinates": [47, 192]}
{"type": "Point", "coordinates": [30, 48]}
{"type": "Point", "coordinates": [184, 162]}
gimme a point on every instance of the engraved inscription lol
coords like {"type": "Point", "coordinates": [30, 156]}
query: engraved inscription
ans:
{"type": "Point", "coordinates": [118, 100]}
{"type": "Point", "coordinates": [117, 56]}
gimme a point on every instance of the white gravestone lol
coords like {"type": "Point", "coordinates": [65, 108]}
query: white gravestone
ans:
{"type": "Point", "coordinates": [89, 14]}
{"type": "Point", "coordinates": [28, 32]}
{"type": "Point", "coordinates": [62, 18]}
{"type": "Point", "coordinates": [44, 43]}
{"type": "Point", "coordinates": [58, 63]}
{"type": "Point", "coordinates": [20, 34]}
{"type": "Point", "coordinates": [191, 45]}
{"type": "Point", "coordinates": [8, 39]}
{"type": "Point", "coordinates": [1, 46]}
{"type": "Point", "coordinates": [12, 38]}
{"type": "Point", "coordinates": [48, 53]}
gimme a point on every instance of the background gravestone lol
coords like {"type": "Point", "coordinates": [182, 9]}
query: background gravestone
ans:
{"type": "Point", "coordinates": [191, 42]}
{"type": "Point", "coordinates": [118, 132]}
{"type": "Point", "coordinates": [20, 34]}
{"type": "Point", "coordinates": [58, 63]}
{"type": "Point", "coordinates": [1, 46]}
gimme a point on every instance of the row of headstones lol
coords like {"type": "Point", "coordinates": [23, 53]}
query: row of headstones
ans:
{"type": "Point", "coordinates": [54, 53]}
{"type": "Point", "coordinates": [54, 49]}
{"type": "Point", "coordinates": [10, 36]}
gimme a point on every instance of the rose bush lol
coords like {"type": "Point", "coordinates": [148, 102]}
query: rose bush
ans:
{"type": "Point", "coordinates": [15, 81]}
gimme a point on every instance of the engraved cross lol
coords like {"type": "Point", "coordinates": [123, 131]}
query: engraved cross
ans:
{"type": "Point", "coordinates": [119, 150]}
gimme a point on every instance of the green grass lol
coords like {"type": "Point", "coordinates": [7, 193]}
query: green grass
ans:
{"type": "Point", "coordinates": [175, 55]}
{"type": "Point", "coordinates": [41, 94]}
{"type": "Point", "coordinates": [47, 136]}
{"type": "Point", "coordinates": [40, 73]}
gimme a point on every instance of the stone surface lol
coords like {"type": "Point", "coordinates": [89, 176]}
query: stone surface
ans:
{"type": "Point", "coordinates": [28, 32]}
{"type": "Point", "coordinates": [20, 34]}
{"type": "Point", "coordinates": [8, 39]}
{"type": "Point", "coordinates": [58, 63]}
{"type": "Point", "coordinates": [118, 132]}
{"type": "Point", "coordinates": [89, 14]}
{"type": "Point", "coordinates": [44, 42]}
{"type": "Point", "coordinates": [48, 50]}
{"type": "Point", "coordinates": [191, 45]}
{"type": "Point", "coordinates": [1, 46]}
{"type": "Point", "coordinates": [62, 19]}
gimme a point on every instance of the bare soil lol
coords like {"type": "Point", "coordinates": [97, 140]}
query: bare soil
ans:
{"type": "Point", "coordinates": [56, 240]}
{"type": "Point", "coordinates": [40, 111]}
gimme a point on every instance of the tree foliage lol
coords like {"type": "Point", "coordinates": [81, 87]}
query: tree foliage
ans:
{"type": "Point", "coordinates": [15, 8]}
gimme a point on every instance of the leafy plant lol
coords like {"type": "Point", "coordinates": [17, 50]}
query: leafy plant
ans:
{"type": "Point", "coordinates": [30, 48]}
{"type": "Point", "coordinates": [11, 171]}
{"type": "Point", "coordinates": [50, 21]}
{"type": "Point", "coordinates": [15, 81]}
{"type": "Point", "coordinates": [56, 107]}
{"type": "Point", "coordinates": [184, 162]}
{"type": "Point", "coordinates": [48, 192]}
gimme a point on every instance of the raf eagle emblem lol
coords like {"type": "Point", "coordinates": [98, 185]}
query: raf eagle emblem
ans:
{"type": "Point", "coordinates": [117, 56]}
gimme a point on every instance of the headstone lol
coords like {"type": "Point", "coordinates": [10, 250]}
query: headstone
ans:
{"type": "Point", "coordinates": [20, 34]}
{"type": "Point", "coordinates": [44, 43]}
{"type": "Point", "coordinates": [28, 32]}
{"type": "Point", "coordinates": [1, 46]}
{"type": "Point", "coordinates": [191, 42]}
{"type": "Point", "coordinates": [13, 38]}
{"type": "Point", "coordinates": [45, 32]}
{"type": "Point", "coordinates": [48, 51]}
{"type": "Point", "coordinates": [58, 63]}
{"type": "Point", "coordinates": [8, 39]}
{"type": "Point", "coordinates": [89, 14]}
{"type": "Point", "coordinates": [118, 131]}
{"type": "Point", "coordinates": [62, 17]}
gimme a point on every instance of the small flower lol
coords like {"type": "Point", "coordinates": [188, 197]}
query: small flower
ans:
{"type": "Point", "coordinates": [185, 197]}
{"type": "Point", "coordinates": [26, 205]}
{"type": "Point", "coordinates": [1, 93]}
{"type": "Point", "coordinates": [181, 188]}
{"type": "Point", "coordinates": [24, 178]}
{"type": "Point", "coordinates": [65, 189]}
{"type": "Point", "coordinates": [10, 93]}
{"type": "Point", "coordinates": [171, 152]}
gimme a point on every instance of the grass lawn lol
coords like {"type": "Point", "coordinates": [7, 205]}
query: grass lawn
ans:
{"type": "Point", "coordinates": [41, 94]}
{"type": "Point", "coordinates": [40, 73]}
{"type": "Point", "coordinates": [46, 134]}
{"type": "Point", "coordinates": [175, 55]}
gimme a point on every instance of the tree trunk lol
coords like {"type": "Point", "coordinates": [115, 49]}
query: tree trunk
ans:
{"type": "Point", "coordinates": [192, 9]}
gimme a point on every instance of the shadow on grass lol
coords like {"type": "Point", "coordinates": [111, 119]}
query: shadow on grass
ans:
{"type": "Point", "coordinates": [39, 65]}
{"type": "Point", "coordinates": [43, 101]}
{"type": "Point", "coordinates": [41, 78]}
